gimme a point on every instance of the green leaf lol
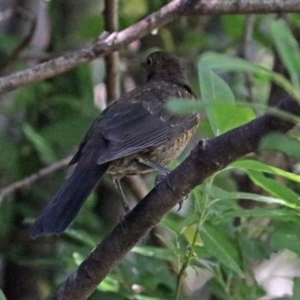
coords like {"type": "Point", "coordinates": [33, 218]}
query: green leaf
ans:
{"type": "Point", "coordinates": [280, 142]}
{"type": "Point", "coordinates": [142, 297]}
{"type": "Point", "coordinates": [280, 213]}
{"type": "Point", "coordinates": [109, 284]}
{"type": "Point", "coordinates": [250, 164]}
{"type": "Point", "coordinates": [218, 193]}
{"type": "Point", "coordinates": [296, 289]}
{"type": "Point", "coordinates": [80, 237]}
{"type": "Point", "coordinates": [173, 222]}
{"type": "Point", "coordinates": [225, 62]}
{"type": "Point", "coordinates": [183, 107]}
{"type": "Point", "coordinates": [9, 159]}
{"type": "Point", "coordinates": [158, 253]}
{"type": "Point", "coordinates": [2, 296]}
{"type": "Point", "coordinates": [219, 102]}
{"type": "Point", "coordinates": [288, 49]}
{"type": "Point", "coordinates": [7, 211]}
{"type": "Point", "coordinates": [275, 188]}
{"type": "Point", "coordinates": [251, 248]}
{"type": "Point", "coordinates": [68, 132]}
{"type": "Point", "coordinates": [221, 247]}
{"type": "Point", "coordinates": [91, 27]}
{"type": "Point", "coordinates": [135, 8]}
{"type": "Point", "coordinates": [286, 237]}
{"type": "Point", "coordinates": [40, 144]}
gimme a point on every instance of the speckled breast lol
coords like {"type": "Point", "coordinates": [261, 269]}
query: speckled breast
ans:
{"type": "Point", "coordinates": [162, 154]}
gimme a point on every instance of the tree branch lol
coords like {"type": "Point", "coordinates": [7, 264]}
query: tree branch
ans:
{"type": "Point", "coordinates": [217, 7]}
{"type": "Point", "coordinates": [165, 15]}
{"type": "Point", "coordinates": [34, 177]}
{"type": "Point", "coordinates": [112, 78]}
{"type": "Point", "coordinates": [25, 42]}
{"type": "Point", "coordinates": [206, 158]}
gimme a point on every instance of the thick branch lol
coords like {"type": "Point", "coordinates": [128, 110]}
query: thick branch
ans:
{"type": "Point", "coordinates": [165, 15]}
{"type": "Point", "coordinates": [207, 157]}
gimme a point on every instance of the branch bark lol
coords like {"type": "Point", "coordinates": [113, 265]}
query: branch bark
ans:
{"type": "Point", "coordinates": [112, 78]}
{"type": "Point", "coordinates": [115, 41]}
{"type": "Point", "coordinates": [208, 157]}
{"type": "Point", "coordinates": [34, 177]}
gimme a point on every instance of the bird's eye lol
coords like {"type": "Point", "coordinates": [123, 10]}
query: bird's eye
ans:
{"type": "Point", "coordinates": [149, 61]}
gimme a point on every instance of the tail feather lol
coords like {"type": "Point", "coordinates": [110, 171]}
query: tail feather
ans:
{"type": "Point", "coordinates": [65, 205]}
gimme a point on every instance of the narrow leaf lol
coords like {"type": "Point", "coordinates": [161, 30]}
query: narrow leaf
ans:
{"type": "Point", "coordinates": [288, 49]}
{"type": "Point", "coordinates": [296, 289]}
{"type": "Point", "coordinates": [158, 253]}
{"type": "Point", "coordinates": [40, 144]}
{"type": "Point", "coordinates": [225, 62]}
{"type": "Point", "coordinates": [219, 246]}
{"type": "Point", "coordinates": [2, 296]}
{"type": "Point", "coordinates": [281, 142]}
{"type": "Point", "coordinates": [274, 188]}
{"type": "Point", "coordinates": [255, 165]}
{"type": "Point", "coordinates": [219, 102]}
{"type": "Point", "coordinates": [218, 193]}
{"type": "Point", "coordinates": [286, 237]}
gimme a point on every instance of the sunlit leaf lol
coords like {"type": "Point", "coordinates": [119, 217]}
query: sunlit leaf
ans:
{"type": "Point", "coordinates": [109, 284]}
{"type": "Point", "coordinates": [216, 192]}
{"type": "Point", "coordinates": [275, 188]}
{"type": "Point", "coordinates": [219, 102]}
{"type": "Point", "coordinates": [217, 61]}
{"type": "Point", "coordinates": [250, 164]}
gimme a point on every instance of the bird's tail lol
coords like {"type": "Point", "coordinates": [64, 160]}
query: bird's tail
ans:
{"type": "Point", "coordinates": [65, 205]}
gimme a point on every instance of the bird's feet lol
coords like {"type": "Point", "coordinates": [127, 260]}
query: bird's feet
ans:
{"type": "Point", "coordinates": [181, 201]}
{"type": "Point", "coordinates": [159, 178]}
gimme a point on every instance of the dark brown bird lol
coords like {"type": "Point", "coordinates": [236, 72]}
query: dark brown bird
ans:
{"type": "Point", "coordinates": [136, 134]}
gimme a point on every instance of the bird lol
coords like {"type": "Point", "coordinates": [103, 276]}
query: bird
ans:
{"type": "Point", "coordinates": [136, 134]}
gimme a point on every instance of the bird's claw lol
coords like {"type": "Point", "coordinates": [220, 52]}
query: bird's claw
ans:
{"type": "Point", "coordinates": [181, 202]}
{"type": "Point", "coordinates": [159, 178]}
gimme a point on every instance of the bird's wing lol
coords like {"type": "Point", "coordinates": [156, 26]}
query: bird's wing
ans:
{"type": "Point", "coordinates": [135, 126]}
{"type": "Point", "coordinates": [85, 139]}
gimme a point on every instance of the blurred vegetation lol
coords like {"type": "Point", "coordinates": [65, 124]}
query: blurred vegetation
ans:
{"type": "Point", "coordinates": [229, 226]}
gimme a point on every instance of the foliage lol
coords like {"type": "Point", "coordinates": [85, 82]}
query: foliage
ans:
{"type": "Point", "coordinates": [213, 232]}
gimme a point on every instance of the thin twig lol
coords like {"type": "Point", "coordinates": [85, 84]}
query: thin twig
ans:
{"type": "Point", "coordinates": [25, 42]}
{"type": "Point", "coordinates": [112, 78]}
{"type": "Point", "coordinates": [34, 177]}
{"type": "Point", "coordinates": [115, 41]}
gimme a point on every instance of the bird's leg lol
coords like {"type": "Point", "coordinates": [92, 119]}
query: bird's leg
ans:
{"type": "Point", "coordinates": [159, 178]}
{"type": "Point", "coordinates": [156, 166]}
{"type": "Point", "coordinates": [118, 186]}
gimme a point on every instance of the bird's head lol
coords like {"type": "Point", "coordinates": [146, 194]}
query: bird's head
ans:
{"type": "Point", "coordinates": [164, 66]}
